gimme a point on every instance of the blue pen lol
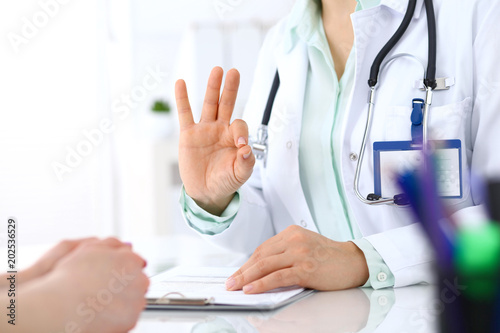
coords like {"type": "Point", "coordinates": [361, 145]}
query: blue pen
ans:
{"type": "Point", "coordinates": [426, 204]}
{"type": "Point", "coordinates": [434, 215]}
{"type": "Point", "coordinates": [424, 199]}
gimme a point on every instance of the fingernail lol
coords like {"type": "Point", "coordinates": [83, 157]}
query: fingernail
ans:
{"type": "Point", "coordinates": [242, 141]}
{"type": "Point", "coordinates": [128, 244]}
{"type": "Point", "coordinates": [247, 155]}
{"type": "Point", "coordinates": [248, 288]}
{"type": "Point", "coordinates": [230, 283]}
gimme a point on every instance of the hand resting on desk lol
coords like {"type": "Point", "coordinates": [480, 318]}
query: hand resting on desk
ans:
{"type": "Point", "coordinates": [297, 256]}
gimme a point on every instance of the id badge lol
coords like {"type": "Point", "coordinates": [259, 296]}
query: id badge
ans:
{"type": "Point", "coordinates": [392, 158]}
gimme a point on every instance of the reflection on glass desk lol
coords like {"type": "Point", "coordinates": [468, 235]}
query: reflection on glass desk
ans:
{"type": "Point", "coordinates": [403, 310]}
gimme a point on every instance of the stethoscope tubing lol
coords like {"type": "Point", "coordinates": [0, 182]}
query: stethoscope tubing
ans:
{"type": "Point", "coordinates": [375, 72]}
{"type": "Point", "coordinates": [378, 65]}
{"type": "Point", "coordinates": [367, 131]}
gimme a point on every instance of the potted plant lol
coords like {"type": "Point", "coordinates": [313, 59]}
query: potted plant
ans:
{"type": "Point", "coordinates": [160, 120]}
{"type": "Point", "coordinates": [161, 106]}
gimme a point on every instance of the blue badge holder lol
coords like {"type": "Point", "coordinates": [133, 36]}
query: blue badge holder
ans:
{"type": "Point", "coordinates": [447, 174]}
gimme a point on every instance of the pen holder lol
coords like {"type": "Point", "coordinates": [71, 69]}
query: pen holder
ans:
{"type": "Point", "coordinates": [450, 295]}
{"type": "Point", "coordinates": [470, 291]}
{"type": "Point", "coordinates": [464, 311]}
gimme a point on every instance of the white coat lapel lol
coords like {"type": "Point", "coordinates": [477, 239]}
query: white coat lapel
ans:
{"type": "Point", "coordinates": [401, 6]}
{"type": "Point", "coordinates": [284, 133]}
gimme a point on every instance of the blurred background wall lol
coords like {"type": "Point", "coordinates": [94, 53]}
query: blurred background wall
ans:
{"type": "Point", "coordinates": [81, 152]}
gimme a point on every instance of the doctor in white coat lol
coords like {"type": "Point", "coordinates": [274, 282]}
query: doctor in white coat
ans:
{"type": "Point", "coordinates": [275, 220]}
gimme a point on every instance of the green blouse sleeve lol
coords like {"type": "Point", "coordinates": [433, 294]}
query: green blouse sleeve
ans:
{"type": "Point", "coordinates": [204, 222]}
{"type": "Point", "coordinates": [380, 274]}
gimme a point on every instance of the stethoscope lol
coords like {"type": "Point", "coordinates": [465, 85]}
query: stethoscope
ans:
{"type": "Point", "coordinates": [260, 144]}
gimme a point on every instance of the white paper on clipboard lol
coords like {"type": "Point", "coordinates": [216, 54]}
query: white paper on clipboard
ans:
{"type": "Point", "coordinates": [209, 282]}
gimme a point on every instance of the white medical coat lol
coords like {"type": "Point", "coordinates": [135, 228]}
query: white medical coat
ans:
{"type": "Point", "coordinates": [468, 49]}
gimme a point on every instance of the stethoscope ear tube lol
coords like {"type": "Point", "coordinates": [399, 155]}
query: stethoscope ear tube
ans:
{"type": "Point", "coordinates": [270, 100]}
{"type": "Point", "coordinates": [430, 80]}
{"type": "Point", "coordinates": [374, 70]}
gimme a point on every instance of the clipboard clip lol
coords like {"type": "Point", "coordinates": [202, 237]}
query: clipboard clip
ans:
{"type": "Point", "coordinates": [179, 300]}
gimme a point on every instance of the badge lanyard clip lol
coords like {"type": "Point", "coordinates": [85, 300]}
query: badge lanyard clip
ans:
{"type": "Point", "coordinates": [417, 117]}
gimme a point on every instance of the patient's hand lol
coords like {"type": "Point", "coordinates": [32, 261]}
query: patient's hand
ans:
{"type": "Point", "coordinates": [46, 263]}
{"type": "Point", "coordinates": [99, 286]}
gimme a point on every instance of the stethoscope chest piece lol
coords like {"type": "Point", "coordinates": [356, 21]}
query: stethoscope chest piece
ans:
{"type": "Point", "coordinates": [259, 146]}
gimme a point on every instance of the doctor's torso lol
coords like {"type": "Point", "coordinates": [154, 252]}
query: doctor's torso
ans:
{"type": "Point", "coordinates": [449, 118]}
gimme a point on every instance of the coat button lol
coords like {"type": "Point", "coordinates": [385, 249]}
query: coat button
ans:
{"type": "Point", "coordinates": [289, 144]}
{"type": "Point", "coordinates": [381, 277]}
{"type": "Point", "coordinates": [382, 301]}
{"type": "Point", "coordinates": [353, 157]}
{"type": "Point", "coordinates": [303, 223]}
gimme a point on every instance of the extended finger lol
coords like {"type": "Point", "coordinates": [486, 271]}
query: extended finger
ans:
{"type": "Point", "coordinates": [283, 278]}
{"type": "Point", "coordinates": [183, 106]}
{"type": "Point", "coordinates": [211, 102]}
{"type": "Point", "coordinates": [260, 269]}
{"type": "Point", "coordinates": [229, 94]}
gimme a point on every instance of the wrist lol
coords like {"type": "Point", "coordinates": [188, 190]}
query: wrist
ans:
{"type": "Point", "coordinates": [40, 302]}
{"type": "Point", "coordinates": [360, 265]}
{"type": "Point", "coordinates": [214, 207]}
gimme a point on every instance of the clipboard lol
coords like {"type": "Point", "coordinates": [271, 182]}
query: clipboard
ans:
{"type": "Point", "coordinates": [204, 304]}
{"type": "Point", "coordinates": [202, 289]}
